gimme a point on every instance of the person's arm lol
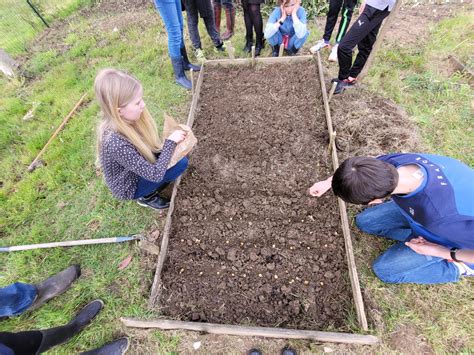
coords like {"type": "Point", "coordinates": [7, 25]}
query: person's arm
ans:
{"type": "Point", "coordinates": [128, 156]}
{"type": "Point", "coordinates": [273, 24]}
{"type": "Point", "coordinates": [424, 247]}
{"type": "Point", "coordinates": [319, 188]}
{"type": "Point", "coordinates": [299, 21]}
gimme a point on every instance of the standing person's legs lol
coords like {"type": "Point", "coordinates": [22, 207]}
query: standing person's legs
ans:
{"type": "Point", "coordinates": [16, 298]}
{"type": "Point", "coordinates": [384, 220]}
{"type": "Point", "coordinates": [347, 11]}
{"type": "Point", "coordinates": [230, 19]}
{"type": "Point", "coordinates": [170, 11]}
{"type": "Point", "coordinates": [364, 49]}
{"type": "Point", "coordinates": [173, 21]}
{"type": "Point", "coordinates": [366, 22]}
{"type": "Point", "coordinates": [257, 22]}
{"type": "Point", "coordinates": [248, 22]}
{"type": "Point", "coordinates": [193, 20]}
{"type": "Point", "coordinates": [217, 14]}
{"type": "Point", "coordinates": [400, 264]}
{"type": "Point", "coordinates": [207, 14]}
{"type": "Point", "coordinates": [331, 18]}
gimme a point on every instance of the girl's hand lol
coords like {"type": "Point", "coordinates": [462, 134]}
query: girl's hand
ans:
{"type": "Point", "coordinates": [320, 188]}
{"type": "Point", "coordinates": [295, 8]}
{"type": "Point", "coordinates": [424, 247]}
{"type": "Point", "coordinates": [177, 136]}
{"type": "Point", "coordinates": [283, 14]}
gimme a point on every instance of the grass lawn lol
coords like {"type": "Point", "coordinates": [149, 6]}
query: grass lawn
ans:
{"type": "Point", "coordinates": [67, 199]}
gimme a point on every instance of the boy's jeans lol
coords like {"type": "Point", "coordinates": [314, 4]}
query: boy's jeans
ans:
{"type": "Point", "coordinates": [170, 11]}
{"type": "Point", "coordinates": [400, 264]}
{"type": "Point", "coordinates": [146, 187]}
{"type": "Point", "coordinates": [16, 298]}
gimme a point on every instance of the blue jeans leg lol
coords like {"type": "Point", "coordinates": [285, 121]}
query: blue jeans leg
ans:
{"type": "Point", "coordinates": [16, 298]}
{"type": "Point", "coordinates": [276, 39]}
{"type": "Point", "coordinates": [170, 11]}
{"type": "Point", "coordinates": [400, 264]}
{"type": "Point", "coordinates": [297, 42]}
{"type": "Point", "coordinates": [384, 220]}
{"type": "Point", "coordinates": [146, 187]}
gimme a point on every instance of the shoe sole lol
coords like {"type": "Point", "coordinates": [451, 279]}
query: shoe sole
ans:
{"type": "Point", "coordinates": [153, 208]}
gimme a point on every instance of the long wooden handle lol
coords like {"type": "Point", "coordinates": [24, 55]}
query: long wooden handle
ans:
{"type": "Point", "coordinates": [31, 167]}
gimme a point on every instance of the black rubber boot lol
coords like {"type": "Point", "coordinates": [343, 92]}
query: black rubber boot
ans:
{"type": "Point", "coordinates": [248, 46]}
{"type": "Point", "coordinates": [116, 347]}
{"type": "Point", "coordinates": [259, 47]}
{"type": "Point", "coordinates": [59, 335]}
{"type": "Point", "coordinates": [187, 64]}
{"type": "Point", "coordinates": [254, 352]}
{"type": "Point", "coordinates": [55, 285]}
{"type": "Point", "coordinates": [180, 77]}
{"type": "Point", "coordinates": [288, 351]}
{"type": "Point", "coordinates": [292, 51]}
{"type": "Point", "coordinates": [275, 51]}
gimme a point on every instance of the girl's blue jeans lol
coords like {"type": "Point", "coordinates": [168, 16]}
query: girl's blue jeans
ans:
{"type": "Point", "coordinates": [146, 187]}
{"type": "Point", "coordinates": [16, 298]}
{"type": "Point", "coordinates": [171, 13]}
{"type": "Point", "coordinates": [400, 264]}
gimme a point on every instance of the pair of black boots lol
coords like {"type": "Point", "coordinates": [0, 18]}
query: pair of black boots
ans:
{"type": "Point", "coordinates": [258, 48]}
{"type": "Point", "coordinates": [290, 51]}
{"type": "Point", "coordinates": [180, 65]}
{"type": "Point", "coordinates": [154, 200]}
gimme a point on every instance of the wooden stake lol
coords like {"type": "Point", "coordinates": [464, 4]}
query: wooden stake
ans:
{"type": "Point", "coordinates": [32, 166]}
{"type": "Point", "coordinates": [378, 42]}
{"type": "Point", "coordinates": [331, 92]}
{"type": "Point", "coordinates": [253, 55]}
{"type": "Point", "coordinates": [230, 50]}
{"type": "Point", "coordinates": [354, 277]}
{"type": "Point", "coordinates": [281, 333]}
{"type": "Point", "coordinates": [282, 48]}
{"type": "Point", "coordinates": [70, 243]}
{"type": "Point", "coordinates": [191, 74]}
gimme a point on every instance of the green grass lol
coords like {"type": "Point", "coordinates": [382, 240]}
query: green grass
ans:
{"type": "Point", "coordinates": [66, 200]}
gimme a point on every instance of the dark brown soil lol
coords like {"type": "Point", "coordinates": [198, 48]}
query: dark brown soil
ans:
{"type": "Point", "coordinates": [248, 245]}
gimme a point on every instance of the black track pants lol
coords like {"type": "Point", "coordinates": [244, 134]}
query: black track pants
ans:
{"type": "Point", "coordinates": [362, 34]}
{"type": "Point", "coordinates": [333, 13]}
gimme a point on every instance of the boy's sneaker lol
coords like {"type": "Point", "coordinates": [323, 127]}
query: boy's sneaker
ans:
{"type": "Point", "coordinates": [319, 45]}
{"type": "Point", "coordinates": [199, 53]}
{"type": "Point", "coordinates": [333, 55]}
{"type": "Point", "coordinates": [343, 84]}
{"type": "Point", "coordinates": [155, 202]}
{"type": "Point", "coordinates": [464, 270]}
{"type": "Point", "coordinates": [220, 48]}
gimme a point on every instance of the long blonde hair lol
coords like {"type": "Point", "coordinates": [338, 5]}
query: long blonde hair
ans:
{"type": "Point", "coordinates": [115, 89]}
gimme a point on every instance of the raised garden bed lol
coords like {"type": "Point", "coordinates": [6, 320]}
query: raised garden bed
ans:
{"type": "Point", "coordinates": [247, 245]}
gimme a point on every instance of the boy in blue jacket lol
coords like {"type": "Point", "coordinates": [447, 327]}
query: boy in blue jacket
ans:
{"type": "Point", "coordinates": [287, 25]}
{"type": "Point", "coordinates": [430, 214]}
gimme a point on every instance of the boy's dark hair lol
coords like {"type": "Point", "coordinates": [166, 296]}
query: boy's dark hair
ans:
{"type": "Point", "coordinates": [360, 180]}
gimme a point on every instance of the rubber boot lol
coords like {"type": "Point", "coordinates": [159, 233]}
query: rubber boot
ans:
{"type": "Point", "coordinates": [187, 63]}
{"type": "Point", "coordinates": [275, 51]}
{"type": "Point", "coordinates": [180, 77]}
{"type": "Point", "coordinates": [248, 45]}
{"type": "Point", "coordinates": [55, 285]}
{"type": "Point", "coordinates": [217, 17]}
{"type": "Point", "coordinates": [259, 47]}
{"type": "Point", "coordinates": [230, 23]}
{"type": "Point", "coordinates": [116, 347]}
{"type": "Point", "coordinates": [59, 335]}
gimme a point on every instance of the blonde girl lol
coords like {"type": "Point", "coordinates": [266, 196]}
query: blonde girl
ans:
{"type": "Point", "coordinates": [133, 158]}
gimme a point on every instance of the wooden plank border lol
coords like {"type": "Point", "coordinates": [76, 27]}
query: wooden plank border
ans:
{"type": "Point", "coordinates": [358, 301]}
{"type": "Point", "coordinates": [225, 329]}
{"type": "Point", "coordinates": [157, 283]}
{"type": "Point", "coordinates": [262, 331]}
